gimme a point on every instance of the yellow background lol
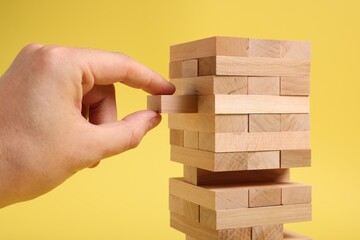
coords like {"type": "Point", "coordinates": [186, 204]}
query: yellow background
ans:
{"type": "Point", "coordinates": [126, 196]}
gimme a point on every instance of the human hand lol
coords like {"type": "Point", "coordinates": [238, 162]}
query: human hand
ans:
{"type": "Point", "coordinates": [44, 96]}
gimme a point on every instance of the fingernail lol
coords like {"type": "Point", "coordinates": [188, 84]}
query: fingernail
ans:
{"type": "Point", "coordinates": [155, 121]}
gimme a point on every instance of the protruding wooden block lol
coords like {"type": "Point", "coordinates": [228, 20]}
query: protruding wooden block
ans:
{"type": "Point", "coordinates": [172, 104]}
{"type": "Point", "coordinates": [235, 234]}
{"type": "Point", "coordinates": [191, 139]}
{"type": "Point", "coordinates": [254, 141]}
{"type": "Point", "coordinates": [264, 48]}
{"type": "Point", "coordinates": [210, 85]}
{"type": "Point", "coordinates": [189, 210]}
{"type": "Point", "coordinates": [296, 194]}
{"type": "Point", "coordinates": [264, 196]}
{"type": "Point", "coordinates": [245, 66]}
{"type": "Point", "coordinates": [290, 235]}
{"type": "Point", "coordinates": [264, 123]}
{"type": "Point", "coordinates": [248, 104]}
{"type": "Point", "coordinates": [295, 122]}
{"type": "Point", "coordinates": [177, 137]}
{"type": "Point", "coordinates": [264, 85]}
{"type": "Point", "coordinates": [218, 162]}
{"type": "Point", "coordinates": [183, 69]}
{"type": "Point", "coordinates": [250, 217]}
{"type": "Point", "coordinates": [191, 174]}
{"type": "Point", "coordinates": [295, 86]}
{"type": "Point", "coordinates": [295, 158]}
{"type": "Point", "coordinates": [224, 46]}
{"type": "Point", "coordinates": [209, 122]}
{"type": "Point", "coordinates": [268, 232]}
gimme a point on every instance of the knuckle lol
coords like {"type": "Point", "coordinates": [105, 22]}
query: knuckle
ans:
{"type": "Point", "coordinates": [135, 138]}
{"type": "Point", "coordinates": [50, 56]}
{"type": "Point", "coordinates": [31, 47]}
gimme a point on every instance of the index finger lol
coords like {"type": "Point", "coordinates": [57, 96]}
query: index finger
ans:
{"type": "Point", "coordinates": [105, 68]}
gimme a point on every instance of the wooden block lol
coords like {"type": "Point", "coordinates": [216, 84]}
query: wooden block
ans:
{"type": "Point", "coordinates": [290, 235]}
{"type": "Point", "coordinates": [264, 85]}
{"type": "Point", "coordinates": [296, 194]}
{"type": "Point", "coordinates": [172, 104]}
{"type": "Point", "coordinates": [190, 174]}
{"type": "Point", "coordinates": [250, 217]}
{"type": "Point", "coordinates": [191, 139]}
{"type": "Point", "coordinates": [210, 85]}
{"type": "Point", "coordinates": [254, 141]}
{"type": "Point", "coordinates": [264, 196]}
{"type": "Point", "coordinates": [295, 86]}
{"type": "Point", "coordinates": [183, 69]}
{"type": "Point", "coordinates": [295, 49]}
{"type": "Point", "coordinates": [230, 234]}
{"type": "Point", "coordinates": [184, 208]}
{"type": "Point", "coordinates": [295, 122]}
{"type": "Point", "coordinates": [218, 162]}
{"type": "Point", "coordinates": [209, 122]}
{"type": "Point", "coordinates": [248, 104]}
{"type": "Point", "coordinates": [255, 66]}
{"type": "Point", "coordinates": [225, 46]}
{"type": "Point", "coordinates": [177, 137]}
{"type": "Point", "coordinates": [264, 48]}
{"type": "Point", "coordinates": [268, 232]}
{"type": "Point", "coordinates": [264, 123]}
{"type": "Point", "coordinates": [295, 158]}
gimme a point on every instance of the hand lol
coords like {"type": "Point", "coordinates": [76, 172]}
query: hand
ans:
{"type": "Point", "coordinates": [44, 96]}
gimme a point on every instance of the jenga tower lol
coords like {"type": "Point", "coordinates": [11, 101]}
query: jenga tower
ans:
{"type": "Point", "coordinates": [238, 121]}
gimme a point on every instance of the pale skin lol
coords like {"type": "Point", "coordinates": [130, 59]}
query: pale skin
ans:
{"type": "Point", "coordinates": [58, 115]}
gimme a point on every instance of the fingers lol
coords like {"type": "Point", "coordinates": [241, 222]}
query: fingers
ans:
{"type": "Point", "coordinates": [112, 138]}
{"type": "Point", "coordinates": [101, 104]}
{"type": "Point", "coordinates": [103, 68]}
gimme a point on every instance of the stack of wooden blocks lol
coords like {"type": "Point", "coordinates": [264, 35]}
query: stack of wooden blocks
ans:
{"type": "Point", "coordinates": [239, 119]}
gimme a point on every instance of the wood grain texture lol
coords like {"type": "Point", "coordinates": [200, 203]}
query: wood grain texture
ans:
{"type": "Point", "coordinates": [250, 217]}
{"type": "Point", "coordinates": [210, 85]}
{"type": "Point", "coordinates": [255, 66]}
{"type": "Point", "coordinates": [183, 69]}
{"type": "Point", "coordinates": [264, 48]}
{"type": "Point", "coordinates": [225, 46]}
{"type": "Point", "coordinates": [172, 104]}
{"type": "Point", "coordinates": [218, 162]}
{"type": "Point", "coordinates": [248, 104]}
{"type": "Point", "coordinates": [264, 196]}
{"type": "Point", "coordinates": [264, 123]}
{"type": "Point", "coordinates": [209, 122]}
{"type": "Point", "coordinates": [295, 158]}
{"type": "Point", "coordinates": [191, 139]}
{"type": "Point", "coordinates": [296, 194]}
{"type": "Point", "coordinates": [295, 122]}
{"type": "Point", "coordinates": [268, 232]}
{"type": "Point", "coordinates": [254, 141]}
{"type": "Point", "coordinates": [295, 50]}
{"type": "Point", "coordinates": [184, 208]}
{"type": "Point", "coordinates": [177, 137]}
{"type": "Point", "coordinates": [295, 86]}
{"type": "Point", "coordinates": [264, 86]}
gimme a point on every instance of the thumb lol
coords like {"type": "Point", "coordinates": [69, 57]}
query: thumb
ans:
{"type": "Point", "coordinates": [114, 138]}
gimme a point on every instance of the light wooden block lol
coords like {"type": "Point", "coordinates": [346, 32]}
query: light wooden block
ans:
{"type": "Point", "coordinates": [264, 123]}
{"type": "Point", "coordinates": [295, 158]}
{"type": "Point", "coordinates": [183, 69]}
{"type": "Point", "coordinates": [235, 234]}
{"type": "Point", "coordinates": [191, 139]}
{"type": "Point", "coordinates": [264, 48]}
{"type": "Point", "coordinates": [177, 137]}
{"type": "Point", "coordinates": [254, 141]}
{"type": "Point", "coordinates": [264, 196]}
{"type": "Point", "coordinates": [225, 46]}
{"type": "Point", "coordinates": [268, 232]}
{"type": "Point", "coordinates": [295, 86]}
{"type": "Point", "coordinates": [184, 208]}
{"type": "Point", "coordinates": [209, 122]}
{"type": "Point", "coordinates": [249, 217]}
{"type": "Point", "coordinates": [248, 104]}
{"type": "Point", "coordinates": [218, 162]}
{"type": "Point", "coordinates": [203, 177]}
{"type": "Point", "coordinates": [295, 122]}
{"type": "Point", "coordinates": [255, 66]}
{"type": "Point", "coordinates": [172, 104]}
{"type": "Point", "coordinates": [296, 194]}
{"type": "Point", "coordinates": [190, 174]}
{"type": "Point", "coordinates": [210, 85]}
{"type": "Point", "coordinates": [295, 49]}
{"type": "Point", "coordinates": [264, 86]}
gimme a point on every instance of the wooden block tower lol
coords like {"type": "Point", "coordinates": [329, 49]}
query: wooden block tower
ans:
{"type": "Point", "coordinates": [239, 119]}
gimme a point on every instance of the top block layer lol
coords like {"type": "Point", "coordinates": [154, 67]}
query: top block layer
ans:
{"type": "Point", "coordinates": [240, 47]}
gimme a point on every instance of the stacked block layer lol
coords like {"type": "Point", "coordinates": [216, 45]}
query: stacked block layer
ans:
{"type": "Point", "coordinates": [238, 121]}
